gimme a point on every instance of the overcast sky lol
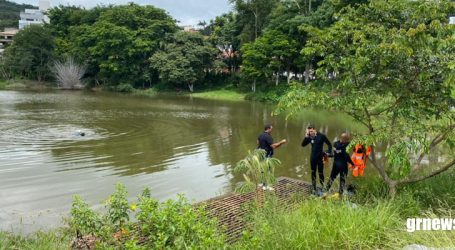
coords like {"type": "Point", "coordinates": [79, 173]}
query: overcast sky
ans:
{"type": "Point", "coordinates": [186, 11]}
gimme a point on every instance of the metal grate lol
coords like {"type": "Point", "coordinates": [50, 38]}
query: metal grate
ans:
{"type": "Point", "coordinates": [229, 209]}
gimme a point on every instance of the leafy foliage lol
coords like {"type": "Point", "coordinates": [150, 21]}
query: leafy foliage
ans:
{"type": "Point", "coordinates": [256, 168]}
{"type": "Point", "coordinates": [115, 42]}
{"type": "Point", "coordinates": [31, 53]}
{"type": "Point", "coordinates": [393, 76]}
{"type": "Point", "coordinates": [174, 224]}
{"type": "Point", "coordinates": [187, 59]}
{"type": "Point", "coordinates": [9, 13]}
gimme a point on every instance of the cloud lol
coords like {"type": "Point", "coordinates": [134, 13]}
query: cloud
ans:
{"type": "Point", "coordinates": [188, 12]}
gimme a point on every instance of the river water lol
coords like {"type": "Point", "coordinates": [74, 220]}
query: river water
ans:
{"type": "Point", "coordinates": [172, 144]}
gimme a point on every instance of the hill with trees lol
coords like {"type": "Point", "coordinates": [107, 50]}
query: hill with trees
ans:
{"type": "Point", "coordinates": [9, 13]}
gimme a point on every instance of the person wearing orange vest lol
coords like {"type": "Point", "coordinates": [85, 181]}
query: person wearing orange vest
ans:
{"type": "Point", "coordinates": [359, 157]}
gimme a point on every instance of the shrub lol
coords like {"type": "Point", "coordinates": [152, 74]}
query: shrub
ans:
{"type": "Point", "coordinates": [174, 224]}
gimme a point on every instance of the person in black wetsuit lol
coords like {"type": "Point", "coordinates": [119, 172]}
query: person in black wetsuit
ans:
{"type": "Point", "coordinates": [340, 162]}
{"type": "Point", "coordinates": [265, 142]}
{"type": "Point", "coordinates": [317, 141]}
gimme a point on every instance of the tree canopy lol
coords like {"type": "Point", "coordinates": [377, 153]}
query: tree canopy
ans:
{"type": "Point", "coordinates": [390, 66]}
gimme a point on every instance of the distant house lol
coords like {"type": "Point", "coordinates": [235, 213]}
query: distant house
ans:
{"type": "Point", "coordinates": [35, 16]}
{"type": "Point", "coordinates": [452, 20]}
{"type": "Point", "coordinates": [6, 37]}
{"type": "Point", "coordinates": [188, 28]}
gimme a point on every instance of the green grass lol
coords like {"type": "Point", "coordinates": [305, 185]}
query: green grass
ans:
{"type": "Point", "coordinates": [37, 241]}
{"type": "Point", "coordinates": [321, 224]}
{"type": "Point", "coordinates": [222, 94]}
{"type": "Point", "coordinates": [368, 220]}
{"type": "Point", "coordinates": [145, 92]}
{"type": "Point", "coordinates": [20, 84]}
{"type": "Point", "coordinates": [2, 84]}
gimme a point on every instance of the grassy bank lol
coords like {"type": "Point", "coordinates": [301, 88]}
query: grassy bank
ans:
{"type": "Point", "coordinates": [321, 224]}
{"type": "Point", "coordinates": [37, 241]}
{"type": "Point", "coordinates": [368, 220]}
{"type": "Point", "coordinates": [222, 94]}
{"type": "Point", "coordinates": [20, 84]}
{"type": "Point", "coordinates": [211, 94]}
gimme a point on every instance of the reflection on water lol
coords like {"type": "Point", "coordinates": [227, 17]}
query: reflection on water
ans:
{"type": "Point", "coordinates": [171, 144]}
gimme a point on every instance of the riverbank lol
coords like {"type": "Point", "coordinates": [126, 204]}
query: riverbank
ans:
{"type": "Point", "coordinates": [368, 220]}
{"type": "Point", "coordinates": [16, 84]}
{"type": "Point", "coordinates": [266, 94]}
{"type": "Point", "coordinates": [210, 94]}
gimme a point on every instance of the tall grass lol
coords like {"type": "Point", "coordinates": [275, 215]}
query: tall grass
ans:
{"type": "Point", "coordinates": [368, 220]}
{"type": "Point", "coordinates": [321, 224]}
{"type": "Point", "coordinates": [37, 241]}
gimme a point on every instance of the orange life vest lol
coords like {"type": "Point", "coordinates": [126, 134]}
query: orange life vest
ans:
{"type": "Point", "coordinates": [359, 158]}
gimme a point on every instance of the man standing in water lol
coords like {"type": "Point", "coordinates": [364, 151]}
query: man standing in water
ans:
{"type": "Point", "coordinates": [265, 142]}
{"type": "Point", "coordinates": [317, 141]}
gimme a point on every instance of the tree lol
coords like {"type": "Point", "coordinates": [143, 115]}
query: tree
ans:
{"type": "Point", "coordinates": [270, 54]}
{"type": "Point", "coordinates": [186, 59]}
{"type": "Point", "coordinates": [115, 41]}
{"type": "Point", "coordinates": [31, 52]}
{"type": "Point", "coordinates": [390, 66]}
{"type": "Point", "coordinates": [252, 17]}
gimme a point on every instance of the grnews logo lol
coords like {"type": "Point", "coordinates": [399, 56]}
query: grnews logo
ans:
{"type": "Point", "coordinates": [427, 224]}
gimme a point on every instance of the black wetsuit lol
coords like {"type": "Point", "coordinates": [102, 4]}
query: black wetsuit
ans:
{"type": "Point", "coordinates": [340, 165]}
{"type": "Point", "coordinates": [317, 153]}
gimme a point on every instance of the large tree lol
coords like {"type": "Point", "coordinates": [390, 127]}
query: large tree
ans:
{"type": "Point", "coordinates": [31, 53]}
{"type": "Point", "coordinates": [389, 64]}
{"type": "Point", "coordinates": [270, 54]}
{"type": "Point", "coordinates": [115, 41]}
{"type": "Point", "coordinates": [185, 60]}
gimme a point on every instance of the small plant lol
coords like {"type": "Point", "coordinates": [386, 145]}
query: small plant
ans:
{"type": "Point", "coordinates": [256, 169]}
{"type": "Point", "coordinates": [118, 206]}
{"type": "Point", "coordinates": [84, 221]}
{"type": "Point", "coordinates": [174, 224]}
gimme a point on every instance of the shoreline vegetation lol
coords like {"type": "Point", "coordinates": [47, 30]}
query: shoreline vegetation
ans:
{"type": "Point", "coordinates": [210, 93]}
{"type": "Point", "coordinates": [367, 220]}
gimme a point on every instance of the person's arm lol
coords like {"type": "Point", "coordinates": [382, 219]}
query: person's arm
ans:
{"type": "Point", "coordinates": [278, 144]}
{"type": "Point", "coordinates": [328, 144]}
{"type": "Point", "coordinates": [306, 141]}
{"type": "Point", "coordinates": [348, 158]}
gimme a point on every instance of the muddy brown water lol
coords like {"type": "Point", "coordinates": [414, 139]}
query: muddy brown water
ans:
{"type": "Point", "coordinates": [172, 144]}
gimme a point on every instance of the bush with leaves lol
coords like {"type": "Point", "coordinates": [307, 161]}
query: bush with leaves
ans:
{"type": "Point", "coordinates": [174, 224]}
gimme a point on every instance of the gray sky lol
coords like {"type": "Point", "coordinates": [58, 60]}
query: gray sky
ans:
{"type": "Point", "coordinates": [186, 11]}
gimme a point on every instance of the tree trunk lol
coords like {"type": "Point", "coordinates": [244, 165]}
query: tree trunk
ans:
{"type": "Point", "coordinates": [255, 25]}
{"type": "Point", "coordinates": [190, 86]}
{"type": "Point", "coordinates": [277, 80]}
{"type": "Point", "coordinates": [392, 188]}
{"type": "Point", "coordinates": [288, 72]}
{"type": "Point", "coordinates": [307, 73]}
{"type": "Point", "coordinates": [253, 86]}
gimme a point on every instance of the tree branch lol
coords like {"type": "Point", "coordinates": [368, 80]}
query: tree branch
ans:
{"type": "Point", "coordinates": [381, 171]}
{"type": "Point", "coordinates": [434, 173]}
{"type": "Point", "coordinates": [437, 139]}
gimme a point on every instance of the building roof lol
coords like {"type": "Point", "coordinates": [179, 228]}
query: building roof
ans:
{"type": "Point", "coordinates": [9, 32]}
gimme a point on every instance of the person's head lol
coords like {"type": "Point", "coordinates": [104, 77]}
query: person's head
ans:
{"type": "Point", "coordinates": [345, 138]}
{"type": "Point", "coordinates": [268, 128]}
{"type": "Point", "coordinates": [311, 130]}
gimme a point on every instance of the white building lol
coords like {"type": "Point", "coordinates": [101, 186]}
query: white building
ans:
{"type": "Point", "coordinates": [452, 20]}
{"type": "Point", "coordinates": [35, 16]}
